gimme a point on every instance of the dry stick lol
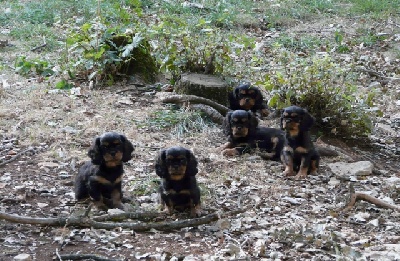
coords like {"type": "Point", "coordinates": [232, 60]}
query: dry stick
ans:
{"type": "Point", "coordinates": [377, 74]}
{"type": "Point", "coordinates": [355, 196]}
{"type": "Point", "coordinates": [138, 227]}
{"type": "Point", "coordinates": [15, 157]}
{"type": "Point", "coordinates": [143, 216]}
{"type": "Point", "coordinates": [195, 99]}
{"type": "Point", "coordinates": [85, 256]}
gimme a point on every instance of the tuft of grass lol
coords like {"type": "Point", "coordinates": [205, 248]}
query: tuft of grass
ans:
{"type": "Point", "coordinates": [375, 8]}
{"type": "Point", "coordinates": [181, 122]}
{"type": "Point", "coordinates": [303, 43]}
{"type": "Point", "coordinates": [144, 187]}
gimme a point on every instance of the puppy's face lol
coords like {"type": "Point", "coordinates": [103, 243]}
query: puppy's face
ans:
{"type": "Point", "coordinates": [111, 149]}
{"type": "Point", "coordinates": [295, 119]}
{"type": "Point", "coordinates": [240, 123]}
{"type": "Point", "coordinates": [247, 96]}
{"type": "Point", "coordinates": [176, 162]}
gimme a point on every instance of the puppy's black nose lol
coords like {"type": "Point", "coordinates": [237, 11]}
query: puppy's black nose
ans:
{"type": "Point", "coordinates": [239, 128]}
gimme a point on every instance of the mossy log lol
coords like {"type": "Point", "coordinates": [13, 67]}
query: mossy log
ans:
{"type": "Point", "coordinates": [207, 86]}
{"type": "Point", "coordinates": [138, 61]}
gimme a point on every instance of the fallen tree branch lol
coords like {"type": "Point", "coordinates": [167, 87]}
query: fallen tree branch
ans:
{"type": "Point", "coordinates": [143, 216]}
{"type": "Point", "coordinates": [85, 257]}
{"type": "Point", "coordinates": [356, 196]}
{"type": "Point", "coordinates": [195, 100]}
{"type": "Point", "coordinates": [81, 221]}
{"type": "Point", "coordinates": [16, 156]}
{"type": "Point", "coordinates": [377, 74]}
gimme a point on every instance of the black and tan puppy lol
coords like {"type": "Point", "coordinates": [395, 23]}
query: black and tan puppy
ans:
{"type": "Point", "coordinates": [244, 135]}
{"type": "Point", "coordinates": [298, 155]}
{"type": "Point", "coordinates": [247, 97]}
{"type": "Point", "coordinates": [100, 179]}
{"type": "Point", "coordinates": [177, 168]}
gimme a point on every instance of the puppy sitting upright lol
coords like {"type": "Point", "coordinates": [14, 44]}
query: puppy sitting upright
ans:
{"type": "Point", "coordinates": [299, 154]}
{"type": "Point", "coordinates": [177, 167]}
{"type": "Point", "coordinates": [100, 179]}
{"type": "Point", "coordinates": [243, 133]}
{"type": "Point", "coordinates": [247, 97]}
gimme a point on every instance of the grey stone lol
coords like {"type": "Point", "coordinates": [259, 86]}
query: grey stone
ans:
{"type": "Point", "coordinates": [360, 168]}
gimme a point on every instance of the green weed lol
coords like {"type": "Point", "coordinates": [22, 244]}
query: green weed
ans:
{"type": "Point", "coordinates": [33, 67]}
{"type": "Point", "coordinates": [324, 88]}
{"type": "Point", "coordinates": [146, 187]}
{"type": "Point", "coordinates": [375, 8]}
{"type": "Point", "coordinates": [369, 37]}
{"type": "Point", "coordinates": [302, 43]}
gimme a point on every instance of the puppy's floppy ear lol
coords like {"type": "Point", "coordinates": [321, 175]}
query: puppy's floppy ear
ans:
{"type": "Point", "coordinates": [307, 121]}
{"type": "Point", "coordinates": [128, 149]}
{"type": "Point", "coordinates": [191, 167]}
{"type": "Point", "coordinates": [94, 152]}
{"type": "Point", "coordinates": [160, 165]}
{"type": "Point", "coordinates": [226, 124]}
{"type": "Point", "coordinates": [236, 93]}
{"type": "Point", "coordinates": [259, 97]}
{"type": "Point", "coordinates": [253, 121]}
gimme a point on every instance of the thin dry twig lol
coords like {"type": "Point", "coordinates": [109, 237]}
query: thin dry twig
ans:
{"type": "Point", "coordinates": [356, 196]}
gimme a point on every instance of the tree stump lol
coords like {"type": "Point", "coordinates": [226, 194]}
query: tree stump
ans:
{"type": "Point", "coordinates": [207, 86]}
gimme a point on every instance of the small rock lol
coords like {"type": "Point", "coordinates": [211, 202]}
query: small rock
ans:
{"type": "Point", "coordinates": [24, 257]}
{"type": "Point", "coordinates": [373, 85]}
{"type": "Point", "coordinates": [360, 168]}
{"type": "Point", "coordinates": [293, 201]}
{"type": "Point", "coordinates": [374, 222]}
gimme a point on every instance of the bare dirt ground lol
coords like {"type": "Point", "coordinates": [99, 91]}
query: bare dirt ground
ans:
{"type": "Point", "coordinates": [284, 219]}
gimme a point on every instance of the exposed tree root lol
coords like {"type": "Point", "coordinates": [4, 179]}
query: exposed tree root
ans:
{"type": "Point", "coordinates": [355, 196]}
{"type": "Point", "coordinates": [193, 99]}
{"type": "Point", "coordinates": [82, 221]}
{"type": "Point", "coordinates": [210, 111]}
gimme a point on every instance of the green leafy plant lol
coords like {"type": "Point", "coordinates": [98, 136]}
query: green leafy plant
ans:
{"type": "Point", "coordinates": [325, 89]}
{"type": "Point", "coordinates": [33, 67]}
{"type": "Point", "coordinates": [341, 46]}
{"type": "Point", "coordinates": [304, 44]}
{"type": "Point", "coordinates": [100, 53]}
{"type": "Point", "coordinates": [200, 49]}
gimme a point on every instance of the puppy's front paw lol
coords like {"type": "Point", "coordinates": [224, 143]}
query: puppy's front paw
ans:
{"type": "Point", "coordinates": [195, 211]}
{"type": "Point", "coordinates": [230, 152]}
{"type": "Point", "coordinates": [302, 174]}
{"type": "Point", "coordinates": [288, 172]}
{"type": "Point", "coordinates": [100, 205]}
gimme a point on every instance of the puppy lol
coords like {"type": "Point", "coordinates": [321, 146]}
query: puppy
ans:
{"type": "Point", "coordinates": [177, 167]}
{"type": "Point", "coordinates": [247, 97]}
{"type": "Point", "coordinates": [299, 154]}
{"type": "Point", "coordinates": [100, 179]}
{"type": "Point", "coordinates": [244, 135]}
